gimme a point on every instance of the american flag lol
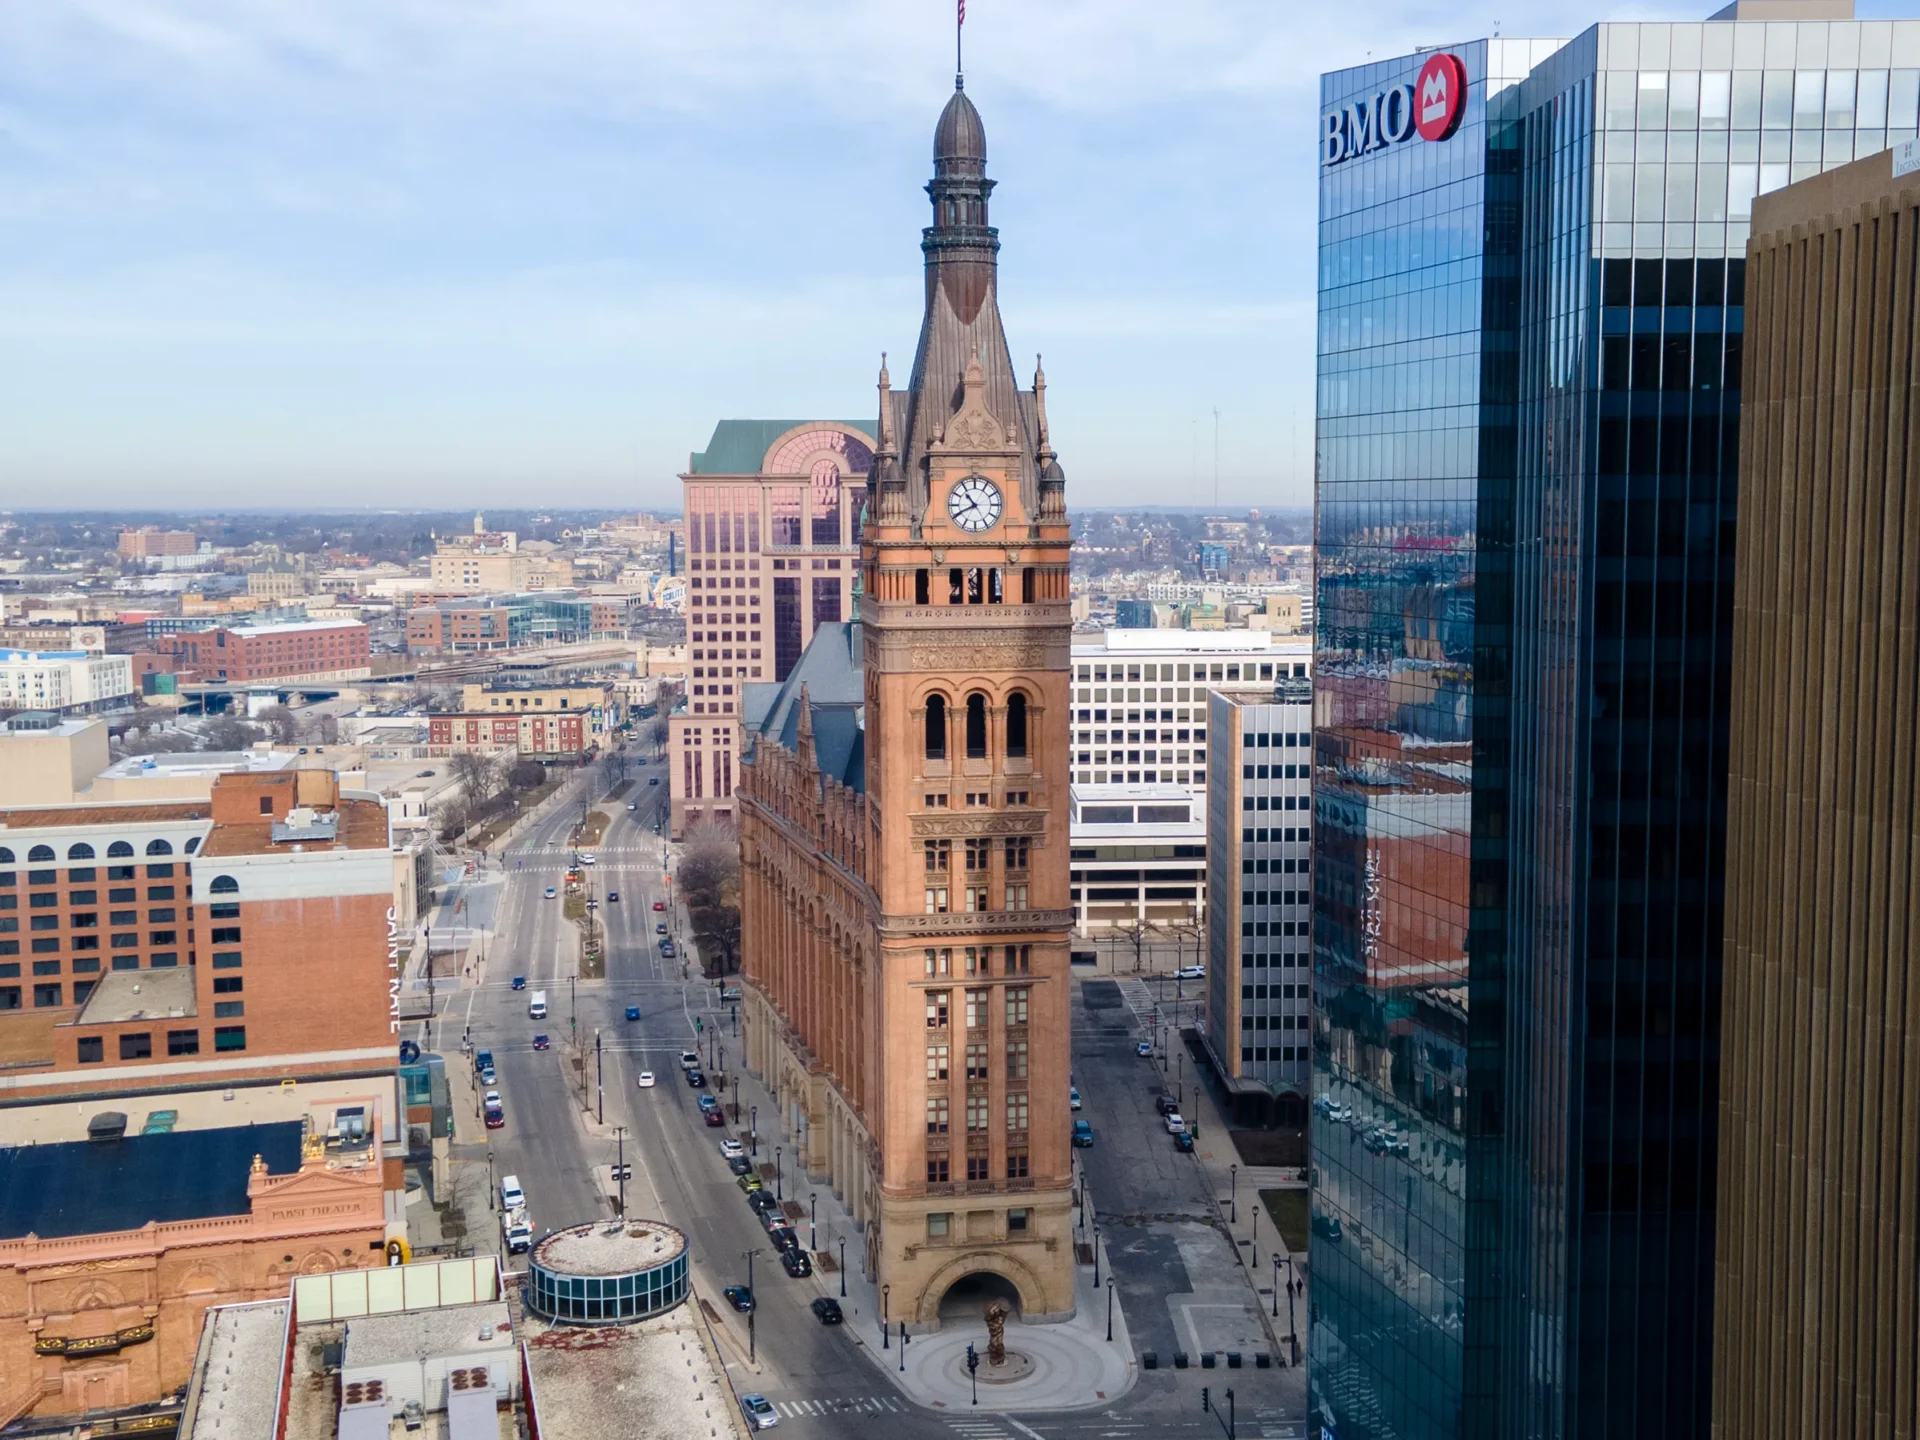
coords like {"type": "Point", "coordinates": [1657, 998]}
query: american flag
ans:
{"type": "Point", "coordinates": [963, 12]}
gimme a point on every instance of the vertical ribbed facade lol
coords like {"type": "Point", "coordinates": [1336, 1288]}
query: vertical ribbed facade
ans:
{"type": "Point", "coordinates": [1817, 1304]}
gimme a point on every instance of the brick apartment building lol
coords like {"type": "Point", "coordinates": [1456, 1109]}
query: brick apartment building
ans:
{"type": "Point", "coordinates": [553, 735]}
{"type": "Point", "coordinates": [150, 541]}
{"type": "Point", "coordinates": [459, 625]}
{"type": "Point", "coordinates": [246, 653]}
{"type": "Point", "coordinates": [153, 946]}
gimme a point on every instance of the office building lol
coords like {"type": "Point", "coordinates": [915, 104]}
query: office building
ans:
{"type": "Point", "coordinates": [904, 831]}
{"type": "Point", "coordinates": [149, 542]}
{"type": "Point", "coordinates": [774, 514]}
{"type": "Point", "coordinates": [539, 734]}
{"type": "Point", "coordinates": [1259, 824]}
{"type": "Point", "coordinates": [159, 945]}
{"type": "Point", "coordinates": [65, 682]}
{"type": "Point", "coordinates": [462, 569]}
{"type": "Point", "coordinates": [47, 759]}
{"type": "Point", "coordinates": [1532, 290]}
{"type": "Point", "coordinates": [1817, 1300]}
{"type": "Point", "coordinates": [301, 649]}
{"type": "Point", "coordinates": [1139, 856]}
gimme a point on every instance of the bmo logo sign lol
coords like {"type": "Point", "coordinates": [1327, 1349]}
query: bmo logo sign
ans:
{"type": "Point", "coordinates": [1430, 108]}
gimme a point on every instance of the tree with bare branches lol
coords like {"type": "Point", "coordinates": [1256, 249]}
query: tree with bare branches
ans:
{"type": "Point", "coordinates": [710, 886]}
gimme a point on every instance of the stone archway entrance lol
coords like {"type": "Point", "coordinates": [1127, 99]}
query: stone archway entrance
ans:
{"type": "Point", "coordinates": [967, 1298]}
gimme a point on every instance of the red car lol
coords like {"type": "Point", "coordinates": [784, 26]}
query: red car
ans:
{"type": "Point", "coordinates": [659, 904]}
{"type": "Point", "coordinates": [496, 1118]}
{"type": "Point", "coordinates": [715, 1118]}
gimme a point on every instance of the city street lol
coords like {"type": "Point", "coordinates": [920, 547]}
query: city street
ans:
{"type": "Point", "coordinates": [816, 1376]}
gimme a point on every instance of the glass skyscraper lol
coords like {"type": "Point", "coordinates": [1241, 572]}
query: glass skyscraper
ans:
{"type": "Point", "coordinates": [1531, 280]}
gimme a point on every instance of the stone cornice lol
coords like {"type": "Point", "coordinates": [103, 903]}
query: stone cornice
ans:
{"type": "Point", "coordinates": [979, 922]}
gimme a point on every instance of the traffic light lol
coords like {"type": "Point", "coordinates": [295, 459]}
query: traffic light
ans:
{"type": "Point", "coordinates": [699, 1025]}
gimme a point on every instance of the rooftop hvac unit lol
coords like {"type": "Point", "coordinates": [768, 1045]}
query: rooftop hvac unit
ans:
{"type": "Point", "coordinates": [364, 1410]}
{"type": "Point", "coordinates": [470, 1405]}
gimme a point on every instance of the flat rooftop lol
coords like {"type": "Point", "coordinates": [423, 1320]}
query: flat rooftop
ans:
{"type": "Point", "coordinates": [424, 1334]}
{"type": "Point", "coordinates": [140, 812]}
{"type": "Point", "coordinates": [96, 1187]}
{"type": "Point", "coordinates": [600, 1248]}
{"type": "Point", "coordinates": [361, 825]}
{"type": "Point", "coordinates": [241, 1345]}
{"type": "Point", "coordinates": [291, 627]}
{"type": "Point", "coordinates": [654, 1377]}
{"type": "Point", "coordinates": [192, 764]}
{"type": "Point", "coordinates": [52, 1121]}
{"type": "Point", "coordinates": [121, 995]}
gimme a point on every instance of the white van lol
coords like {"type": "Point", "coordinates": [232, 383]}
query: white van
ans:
{"type": "Point", "coordinates": [537, 1006]}
{"type": "Point", "coordinates": [516, 1233]}
{"type": "Point", "coordinates": [512, 1197]}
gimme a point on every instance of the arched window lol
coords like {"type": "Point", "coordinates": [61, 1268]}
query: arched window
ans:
{"type": "Point", "coordinates": [976, 726]}
{"type": "Point", "coordinates": [6, 856]}
{"type": "Point", "coordinates": [224, 885]}
{"type": "Point", "coordinates": [936, 727]}
{"type": "Point", "coordinates": [1017, 723]}
{"type": "Point", "coordinates": [118, 849]}
{"type": "Point", "coordinates": [193, 844]}
{"type": "Point", "coordinates": [159, 847]}
{"type": "Point", "coordinates": [39, 853]}
{"type": "Point", "coordinates": [82, 851]}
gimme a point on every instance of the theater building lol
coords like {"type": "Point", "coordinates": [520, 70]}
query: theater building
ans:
{"type": "Point", "coordinates": [903, 806]}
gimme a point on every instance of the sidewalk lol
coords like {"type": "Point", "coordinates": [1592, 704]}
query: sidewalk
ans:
{"type": "Point", "coordinates": [1073, 1363]}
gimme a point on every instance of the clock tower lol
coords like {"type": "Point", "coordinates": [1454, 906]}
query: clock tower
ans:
{"type": "Point", "coordinates": [965, 630]}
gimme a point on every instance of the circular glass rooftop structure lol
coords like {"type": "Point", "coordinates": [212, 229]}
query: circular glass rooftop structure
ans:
{"type": "Point", "coordinates": [607, 1272]}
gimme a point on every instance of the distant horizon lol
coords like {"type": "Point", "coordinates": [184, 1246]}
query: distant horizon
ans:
{"type": "Point", "coordinates": [132, 519]}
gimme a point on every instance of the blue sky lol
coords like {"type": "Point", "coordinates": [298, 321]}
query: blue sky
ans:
{"type": "Point", "coordinates": [419, 252]}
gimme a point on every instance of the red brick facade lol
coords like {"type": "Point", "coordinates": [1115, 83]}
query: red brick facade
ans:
{"type": "Point", "coordinates": [270, 652]}
{"type": "Point", "coordinates": [567, 733]}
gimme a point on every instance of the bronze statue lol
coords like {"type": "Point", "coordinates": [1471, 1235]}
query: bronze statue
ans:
{"type": "Point", "coordinates": [997, 1314]}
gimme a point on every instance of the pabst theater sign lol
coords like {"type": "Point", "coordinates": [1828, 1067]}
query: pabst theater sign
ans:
{"type": "Point", "coordinates": [1430, 108]}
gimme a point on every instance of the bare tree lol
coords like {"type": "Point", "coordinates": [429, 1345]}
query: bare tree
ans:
{"type": "Point", "coordinates": [479, 776]}
{"type": "Point", "coordinates": [657, 732]}
{"type": "Point", "coordinates": [324, 729]}
{"type": "Point", "coordinates": [227, 732]}
{"type": "Point", "coordinates": [527, 775]}
{"type": "Point", "coordinates": [710, 883]}
{"type": "Point", "coordinates": [155, 740]}
{"type": "Point", "coordinates": [280, 723]}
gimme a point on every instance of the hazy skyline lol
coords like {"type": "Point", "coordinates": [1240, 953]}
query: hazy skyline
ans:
{"type": "Point", "coordinates": [427, 254]}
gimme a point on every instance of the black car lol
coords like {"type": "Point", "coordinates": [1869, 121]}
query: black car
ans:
{"type": "Point", "coordinates": [613, 897]}
{"type": "Point", "coordinates": [740, 1297]}
{"type": "Point", "coordinates": [784, 1240]}
{"type": "Point", "coordinates": [796, 1263]}
{"type": "Point", "coordinates": [761, 1200]}
{"type": "Point", "coordinates": [696, 1079]}
{"type": "Point", "coordinates": [740, 1165]}
{"type": "Point", "coordinates": [828, 1309]}
{"type": "Point", "coordinates": [1167, 1105]}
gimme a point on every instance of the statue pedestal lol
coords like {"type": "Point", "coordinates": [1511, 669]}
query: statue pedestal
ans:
{"type": "Point", "coordinates": [1015, 1367]}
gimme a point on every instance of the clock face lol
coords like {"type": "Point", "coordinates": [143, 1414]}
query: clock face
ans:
{"type": "Point", "coordinates": [974, 504]}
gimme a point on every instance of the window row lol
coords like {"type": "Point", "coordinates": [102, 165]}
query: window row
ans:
{"type": "Point", "coordinates": [80, 850]}
{"type": "Point", "coordinates": [937, 738]}
{"type": "Point", "coordinates": [1018, 1113]}
{"type": "Point", "coordinates": [979, 1167]}
{"type": "Point", "coordinates": [973, 585]}
{"type": "Point", "coordinates": [139, 1045]}
{"type": "Point", "coordinates": [85, 874]}
{"type": "Point", "coordinates": [976, 899]}
{"type": "Point", "coordinates": [1017, 1000]}
{"type": "Point", "coordinates": [979, 960]}
{"type": "Point", "coordinates": [940, 1061]}
{"type": "Point", "coordinates": [978, 854]}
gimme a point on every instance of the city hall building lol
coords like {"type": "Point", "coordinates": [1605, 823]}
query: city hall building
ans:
{"type": "Point", "coordinates": [1532, 280]}
{"type": "Point", "coordinates": [903, 804]}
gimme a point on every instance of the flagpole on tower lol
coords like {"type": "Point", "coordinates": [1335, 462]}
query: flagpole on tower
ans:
{"type": "Point", "coordinates": [959, 69]}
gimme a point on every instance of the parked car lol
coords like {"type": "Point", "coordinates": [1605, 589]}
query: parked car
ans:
{"type": "Point", "coordinates": [796, 1263]}
{"type": "Point", "coordinates": [1144, 1047]}
{"type": "Point", "coordinates": [631, 805]}
{"type": "Point", "coordinates": [740, 1165]}
{"type": "Point", "coordinates": [827, 1310]}
{"type": "Point", "coordinates": [750, 1182]}
{"type": "Point", "coordinates": [1175, 1125]}
{"type": "Point", "coordinates": [519, 982]}
{"type": "Point", "coordinates": [714, 1119]}
{"type": "Point", "coordinates": [731, 1147]}
{"type": "Point", "coordinates": [483, 1067]}
{"type": "Point", "coordinates": [645, 1082]}
{"type": "Point", "coordinates": [540, 1042]}
{"type": "Point", "coordinates": [492, 1097]}
{"type": "Point", "coordinates": [1073, 1097]}
{"type": "Point", "coordinates": [697, 1079]}
{"type": "Point", "coordinates": [761, 1201]}
{"type": "Point", "coordinates": [1167, 1105]}
{"type": "Point", "coordinates": [709, 1102]}
{"type": "Point", "coordinates": [784, 1240]}
{"type": "Point", "coordinates": [1082, 1134]}
{"type": "Point", "coordinates": [760, 1415]}
{"type": "Point", "coordinates": [496, 1118]}
{"type": "Point", "coordinates": [660, 927]}
{"type": "Point", "coordinates": [689, 1060]}
{"type": "Point", "coordinates": [666, 949]}
{"type": "Point", "coordinates": [1183, 1141]}
{"type": "Point", "coordinates": [740, 1297]}
{"type": "Point", "coordinates": [659, 904]}
{"type": "Point", "coordinates": [1191, 972]}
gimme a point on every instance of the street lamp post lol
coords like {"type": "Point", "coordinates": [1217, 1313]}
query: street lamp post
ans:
{"type": "Point", "coordinates": [736, 1099]}
{"type": "Point", "coordinates": [1096, 1254]}
{"type": "Point", "coordinates": [493, 1196]}
{"type": "Point", "coordinates": [843, 1270]}
{"type": "Point", "coordinates": [1109, 1308]}
{"type": "Point", "coordinates": [884, 1291]}
{"type": "Point", "coordinates": [599, 1081]}
{"type": "Point", "coordinates": [1276, 1288]}
{"type": "Point", "coordinates": [753, 1303]}
{"type": "Point", "coordinates": [1233, 1195]}
{"type": "Point", "coordinates": [776, 1174]}
{"type": "Point", "coordinates": [1293, 1335]}
{"type": "Point", "coordinates": [813, 1220]}
{"type": "Point", "coordinates": [753, 1130]}
{"type": "Point", "coordinates": [903, 1347]}
{"type": "Point", "coordinates": [973, 1370]}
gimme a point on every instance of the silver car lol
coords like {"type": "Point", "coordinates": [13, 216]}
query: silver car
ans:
{"type": "Point", "coordinates": [760, 1414]}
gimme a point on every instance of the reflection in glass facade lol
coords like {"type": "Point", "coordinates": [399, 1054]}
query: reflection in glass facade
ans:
{"type": "Point", "coordinates": [1529, 373]}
